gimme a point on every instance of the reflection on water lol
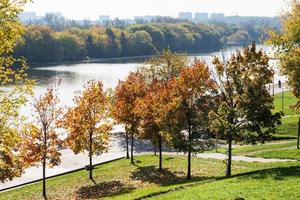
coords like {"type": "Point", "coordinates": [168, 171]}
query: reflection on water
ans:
{"type": "Point", "coordinates": [74, 76]}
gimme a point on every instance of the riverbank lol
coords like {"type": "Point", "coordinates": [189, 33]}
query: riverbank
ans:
{"type": "Point", "coordinates": [140, 59]}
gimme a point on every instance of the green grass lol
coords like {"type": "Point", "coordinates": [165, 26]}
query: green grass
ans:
{"type": "Point", "coordinates": [289, 126]}
{"type": "Point", "coordinates": [249, 149]}
{"type": "Point", "coordinates": [277, 183]}
{"type": "Point", "coordinates": [283, 150]}
{"type": "Point", "coordinates": [288, 100]}
{"type": "Point", "coordinates": [290, 120]}
{"type": "Point", "coordinates": [280, 153]}
{"type": "Point", "coordinates": [121, 180]}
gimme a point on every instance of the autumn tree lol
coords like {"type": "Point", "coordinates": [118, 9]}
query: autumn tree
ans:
{"type": "Point", "coordinates": [126, 94]}
{"type": "Point", "coordinates": [14, 88]}
{"type": "Point", "coordinates": [155, 107]}
{"type": "Point", "coordinates": [244, 112]}
{"type": "Point", "coordinates": [40, 140]}
{"type": "Point", "coordinates": [195, 88]}
{"type": "Point", "coordinates": [287, 45]}
{"type": "Point", "coordinates": [87, 122]}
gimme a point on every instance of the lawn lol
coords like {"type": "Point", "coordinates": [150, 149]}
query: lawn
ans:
{"type": "Point", "coordinates": [121, 180]}
{"type": "Point", "coordinates": [290, 119]}
{"type": "Point", "coordinates": [277, 183]}
{"type": "Point", "coordinates": [280, 153]}
{"type": "Point", "coordinates": [288, 100]}
{"type": "Point", "coordinates": [289, 126]}
{"type": "Point", "coordinates": [249, 149]}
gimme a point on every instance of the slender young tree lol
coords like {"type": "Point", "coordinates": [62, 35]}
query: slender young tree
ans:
{"type": "Point", "coordinates": [126, 94]}
{"type": "Point", "coordinates": [244, 111]}
{"type": "Point", "coordinates": [194, 86]}
{"type": "Point", "coordinates": [287, 44]}
{"type": "Point", "coordinates": [159, 74]}
{"type": "Point", "coordinates": [13, 76]}
{"type": "Point", "coordinates": [154, 109]}
{"type": "Point", "coordinates": [40, 140]}
{"type": "Point", "coordinates": [88, 122]}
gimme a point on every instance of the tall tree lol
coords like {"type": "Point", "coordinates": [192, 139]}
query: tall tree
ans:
{"type": "Point", "coordinates": [88, 122]}
{"type": "Point", "coordinates": [244, 112]}
{"type": "Point", "coordinates": [126, 94]}
{"type": "Point", "coordinates": [14, 87]}
{"type": "Point", "coordinates": [287, 44]}
{"type": "Point", "coordinates": [40, 140]}
{"type": "Point", "coordinates": [154, 108]}
{"type": "Point", "coordinates": [195, 88]}
{"type": "Point", "coordinates": [113, 49]}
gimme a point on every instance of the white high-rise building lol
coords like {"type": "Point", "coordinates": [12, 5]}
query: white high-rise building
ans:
{"type": "Point", "coordinates": [185, 15]}
{"type": "Point", "coordinates": [217, 16]}
{"type": "Point", "coordinates": [201, 16]}
{"type": "Point", "coordinates": [103, 19]}
{"type": "Point", "coordinates": [28, 16]}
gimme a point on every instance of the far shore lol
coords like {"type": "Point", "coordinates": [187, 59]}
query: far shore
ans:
{"type": "Point", "coordinates": [131, 59]}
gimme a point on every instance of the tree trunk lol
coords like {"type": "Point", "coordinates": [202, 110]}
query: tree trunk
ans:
{"type": "Point", "coordinates": [189, 153]}
{"type": "Point", "coordinates": [132, 161]}
{"type": "Point", "coordinates": [160, 152]}
{"type": "Point", "coordinates": [127, 145]}
{"type": "Point", "coordinates": [228, 172]}
{"type": "Point", "coordinates": [44, 163]}
{"type": "Point", "coordinates": [298, 139]}
{"type": "Point", "coordinates": [155, 150]}
{"type": "Point", "coordinates": [91, 156]}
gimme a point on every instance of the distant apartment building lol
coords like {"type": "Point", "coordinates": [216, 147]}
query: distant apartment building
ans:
{"type": "Point", "coordinates": [28, 16]}
{"type": "Point", "coordinates": [103, 19]}
{"type": "Point", "coordinates": [201, 16]}
{"type": "Point", "coordinates": [186, 15]}
{"type": "Point", "coordinates": [129, 21]}
{"type": "Point", "coordinates": [217, 16]}
{"type": "Point", "coordinates": [146, 18]}
{"type": "Point", "coordinates": [55, 14]}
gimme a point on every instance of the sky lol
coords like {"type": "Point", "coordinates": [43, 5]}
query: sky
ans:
{"type": "Point", "coordinates": [91, 9]}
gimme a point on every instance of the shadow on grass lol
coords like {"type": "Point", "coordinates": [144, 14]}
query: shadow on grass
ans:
{"type": "Point", "coordinates": [151, 174]}
{"type": "Point", "coordinates": [104, 189]}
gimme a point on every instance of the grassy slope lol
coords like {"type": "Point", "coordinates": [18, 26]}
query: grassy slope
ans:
{"type": "Point", "coordinates": [247, 150]}
{"type": "Point", "coordinates": [279, 183]}
{"type": "Point", "coordinates": [121, 180]}
{"type": "Point", "coordinates": [280, 153]}
{"type": "Point", "coordinates": [288, 100]}
{"type": "Point", "coordinates": [290, 120]}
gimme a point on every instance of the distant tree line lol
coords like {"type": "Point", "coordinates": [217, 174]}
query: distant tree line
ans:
{"type": "Point", "coordinates": [43, 44]}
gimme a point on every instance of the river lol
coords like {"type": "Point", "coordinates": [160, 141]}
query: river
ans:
{"type": "Point", "coordinates": [74, 76]}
